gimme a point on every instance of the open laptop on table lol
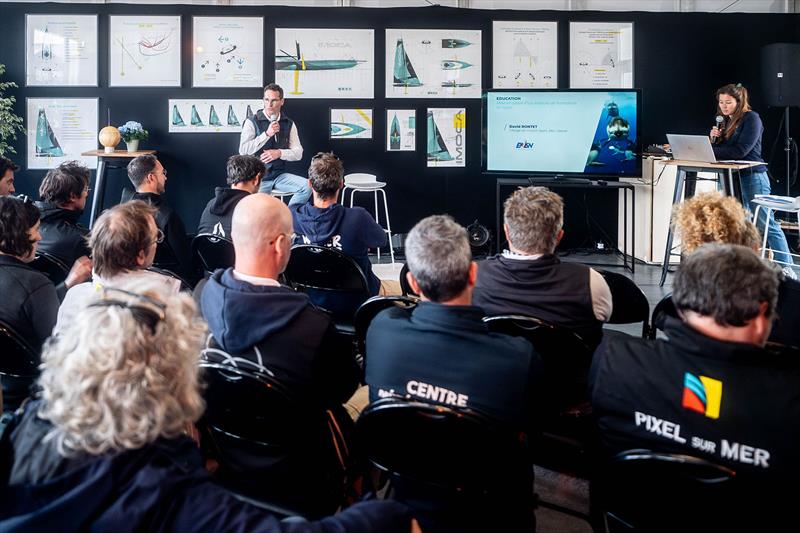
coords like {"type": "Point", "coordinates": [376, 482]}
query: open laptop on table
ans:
{"type": "Point", "coordinates": [696, 148]}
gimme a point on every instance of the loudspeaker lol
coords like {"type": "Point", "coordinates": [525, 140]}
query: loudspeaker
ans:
{"type": "Point", "coordinates": [780, 74]}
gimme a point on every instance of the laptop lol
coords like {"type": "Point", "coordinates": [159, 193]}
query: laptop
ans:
{"type": "Point", "coordinates": [691, 148]}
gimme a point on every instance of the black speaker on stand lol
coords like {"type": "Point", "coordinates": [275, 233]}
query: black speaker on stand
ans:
{"type": "Point", "coordinates": [780, 76]}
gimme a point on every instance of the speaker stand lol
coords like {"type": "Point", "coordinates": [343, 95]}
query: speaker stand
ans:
{"type": "Point", "coordinates": [787, 147]}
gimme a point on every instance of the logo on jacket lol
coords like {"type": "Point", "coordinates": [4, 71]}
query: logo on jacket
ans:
{"type": "Point", "coordinates": [702, 394]}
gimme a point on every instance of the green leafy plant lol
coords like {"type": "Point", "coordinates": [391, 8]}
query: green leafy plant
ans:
{"type": "Point", "coordinates": [10, 123]}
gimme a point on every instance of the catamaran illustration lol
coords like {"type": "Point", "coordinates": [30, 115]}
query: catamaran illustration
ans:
{"type": "Point", "coordinates": [437, 149]}
{"type": "Point", "coordinates": [177, 119]}
{"type": "Point", "coordinates": [345, 129]}
{"type": "Point", "coordinates": [213, 119]}
{"type": "Point", "coordinates": [233, 120]}
{"type": "Point", "coordinates": [46, 142]}
{"type": "Point", "coordinates": [404, 74]}
{"type": "Point", "coordinates": [394, 134]}
{"type": "Point", "coordinates": [455, 43]}
{"type": "Point", "coordinates": [196, 120]}
{"type": "Point", "coordinates": [287, 61]}
{"type": "Point", "coordinates": [454, 64]}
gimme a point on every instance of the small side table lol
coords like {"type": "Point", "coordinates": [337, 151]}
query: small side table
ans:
{"type": "Point", "coordinates": [106, 160]}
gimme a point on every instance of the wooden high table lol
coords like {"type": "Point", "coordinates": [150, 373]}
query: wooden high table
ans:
{"type": "Point", "coordinates": [724, 178]}
{"type": "Point", "coordinates": [106, 160]}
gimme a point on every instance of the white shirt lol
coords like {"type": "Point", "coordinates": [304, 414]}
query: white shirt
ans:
{"type": "Point", "coordinates": [250, 144]}
{"type": "Point", "coordinates": [255, 280]}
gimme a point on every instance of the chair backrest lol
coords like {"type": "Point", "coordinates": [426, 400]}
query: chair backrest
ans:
{"type": "Point", "coordinates": [368, 310]}
{"type": "Point", "coordinates": [213, 251]}
{"type": "Point", "coordinates": [51, 266]}
{"type": "Point", "coordinates": [405, 286]}
{"type": "Point", "coordinates": [565, 356]}
{"type": "Point", "coordinates": [19, 367]}
{"type": "Point", "coordinates": [359, 178]}
{"type": "Point", "coordinates": [630, 303]}
{"type": "Point", "coordinates": [664, 308]}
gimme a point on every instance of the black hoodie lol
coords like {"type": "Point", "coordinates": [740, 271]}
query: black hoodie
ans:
{"type": "Point", "coordinates": [217, 215]}
{"type": "Point", "coordinates": [62, 236]}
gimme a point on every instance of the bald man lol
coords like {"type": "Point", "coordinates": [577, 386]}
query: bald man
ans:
{"type": "Point", "coordinates": [251, 315]}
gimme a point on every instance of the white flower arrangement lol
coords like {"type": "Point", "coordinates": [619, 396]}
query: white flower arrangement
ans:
{"type": "Point", "coordinates": [132, 131]}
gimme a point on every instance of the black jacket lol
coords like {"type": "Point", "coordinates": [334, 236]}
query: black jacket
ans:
{"type": "Point", "coordinates": [175, 252]}
{"type": "Point", "coordinates": [29, 304]}
{"type": "Point", "coordinates": [62, 236]}
{"type": "Point", "coordinates": [217, 215]}
{"type": "Point", "coordinates": [160, 487]}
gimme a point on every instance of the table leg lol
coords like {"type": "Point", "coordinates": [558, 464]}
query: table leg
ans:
{"type": "Point", "coordinates": [99, 191]}
{"type": "Point", "coordinates": [676, 198]}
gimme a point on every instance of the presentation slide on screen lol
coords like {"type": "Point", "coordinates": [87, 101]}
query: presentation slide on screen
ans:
{"type": "Point", "coordinates": [576, 132]}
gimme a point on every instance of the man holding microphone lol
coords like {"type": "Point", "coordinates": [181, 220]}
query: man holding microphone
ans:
{"type": "Point", "coordinates": [272, 137]}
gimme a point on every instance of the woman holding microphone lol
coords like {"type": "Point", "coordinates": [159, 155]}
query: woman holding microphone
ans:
{"type": "Point", "coordinates": [738, 137]}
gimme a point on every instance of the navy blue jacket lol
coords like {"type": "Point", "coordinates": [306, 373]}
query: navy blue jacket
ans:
{"type": "Point", "coordinates": [744, 144]}
{"type": "Point", "coordinates": [351, 230]}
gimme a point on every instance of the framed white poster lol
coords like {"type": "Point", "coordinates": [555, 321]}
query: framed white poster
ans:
{"type": "Point", "coordinates": [433, 63]}
{"type": "Point", "coordinates": [228, 52]}
{"type": "Point", "coordinates": [524, 55]}
{"type": "Point", "coordinates": [144, 51]}
{"type": "Point", "coordinates": [447, 139]}
{"type": "Point", "coordinates": [325, 63]}
{"type": "Point", "coordinates": [61, 50]}
{"type": "Point", "coordinates": [601, 55]}
{"type": "Point", "coordinates": [60, 129]}
{"type": "Point", "coordinates": [401, 130]}
{"type": "Point", "coordinates": [210, 115]}
{"type": "Point", "coordinates": [351, 124]}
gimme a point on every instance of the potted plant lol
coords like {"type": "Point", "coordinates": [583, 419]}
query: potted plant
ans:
{"type": "Point", "coordinates": [132, 132]}
{"type": "Point", "coordinates": [10, 123]}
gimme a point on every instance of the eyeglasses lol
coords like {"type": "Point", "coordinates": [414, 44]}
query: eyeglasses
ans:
{"type": "Point", "coordinates": [144, 309]}
{"type": "Point", "coordinates": [159, 237]}
{"type": "Point", "coordinates": [24, 199]}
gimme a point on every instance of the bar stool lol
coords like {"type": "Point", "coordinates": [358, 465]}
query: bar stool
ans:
{"type": "Point", "coordinates": [770, 203]}
{"type": "Point", "coordinates": [280, 195]}
{"type": "Point", "coordinates": [360, 182]}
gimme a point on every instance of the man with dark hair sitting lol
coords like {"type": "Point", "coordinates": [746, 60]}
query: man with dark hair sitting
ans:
{"type": "Point", "coordinates": [244, 177]}
{"type": "Point", "coordinates": [7, 169]}
{"type": "Point", "coordinates": [352, 231]}
{"type": "Point", "coordinates": [149, 177]}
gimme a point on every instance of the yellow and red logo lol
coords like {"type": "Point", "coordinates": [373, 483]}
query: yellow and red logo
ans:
{"type": "Point", "coordinates": [702, 394]}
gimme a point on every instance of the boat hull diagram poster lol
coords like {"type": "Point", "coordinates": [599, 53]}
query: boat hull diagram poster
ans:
{"type": "Point", "coordinates": [145, 51]}
{"type": "Point", "coordinates": [61, 50]}
{"type": "Point", "coordinates": [433, 63]}
{"type": "Point", "coordinates": [350, 124]}
{"type": "Point", "coordinates": [601, 55]}
{"type": "Point", "coordinates": [60, 129]}
{"type": "Point", "coordinates": [401, 130]}
{"type": "Point", "coordinates": [524, 55]}
{"type": "Point", "coordinates": [447, 137]}
{"type": "Point", "coordinates": [228, 52]}
{"type": "Point", "coordinates": [210, 116]}
{"type": "Point", "coordinates": [325, 63]}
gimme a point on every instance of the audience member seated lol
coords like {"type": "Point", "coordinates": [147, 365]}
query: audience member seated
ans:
{"type": "Point", "coordinates": [529, 279]}
{"type": "Point", "coordinates": [103, 447]}
{"type": "Point", "coordinates": [7, 169]}
{"type": "Point", "coordinates": [244, 177]}
{"type": "Point", "coordinates": [123, 243]}
{"type": "Point", "coordinates": [442, 352]}
{"type": "Point", "coordinates": [150, 179]}
{"type": "Point", "coordinates": [325, 222]}
{"type": "Point", "coordinates": [29, 303]}
{"type": "Point", "coordinates": [712, 217]}
{"type": "Point", "coordinates": [709, 389]}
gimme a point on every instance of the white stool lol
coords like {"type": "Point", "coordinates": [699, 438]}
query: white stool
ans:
{"type": "Point", "coordinates": [770, 203]}
{"type": "Point", "coordinates": [360, 182]}
{"type": "Point", "coordinates": [280, 195]}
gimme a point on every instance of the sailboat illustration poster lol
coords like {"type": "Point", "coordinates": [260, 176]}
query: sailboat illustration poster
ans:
{"type": "Point", "coordinates": [351, 124]}
{"type": "Point", "coordinates": [600, 55]}
{"type": "Point", "coordinates": [210, 116]}
{"type": "Point", "coordinates": [325, 63]}
{"type": "Point", "coordinates": [60, 129]}
{"type": "Point", "coordinates": [524, 54]}
{"type": "Point", "coordinates": [401, 130]}
{"type": "Point", "coordinates": [228, 52]}
{"type": "Point", "coordinates": [145, 51]}
{"type": "Point", "coordinates": [447, 136]}
{"type": "Point", "coordinates": [433, 63]}
{"type": "Point", "coordinates": [61, 50]}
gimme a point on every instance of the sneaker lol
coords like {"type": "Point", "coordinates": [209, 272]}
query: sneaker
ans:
{"type": "Point", "coordinates": [789, 272]}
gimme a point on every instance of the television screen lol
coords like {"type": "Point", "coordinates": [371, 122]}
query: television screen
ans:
{"type": "Point", "coordinates": [591, 132]}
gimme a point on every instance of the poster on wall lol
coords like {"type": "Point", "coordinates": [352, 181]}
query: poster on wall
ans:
{"type": "Point", "coordinates": [351, 124]}
{"type": "Point", "coordinates": [325, 63]}
{"type": "Point", "coordinates": [401, 130]}
{"type": "Point", "coordinates": [60, 129]}
{"type": "Point", "coordinates": [601, 55]}
{"type": "Point", "coordinates": [524, 55]}
{"type": "Point", "coordinates": [210, 116]}
{"type": "Point", "coordinates": [61, 50]}
{"type": "Point", "coordinates": [228, 52]}
{"type": "Point", "coordinates": [433, 63]}
{"type": "Point", "coordinates": [145, 51]}
{"type": "Point", "coordinates": [447, 128]}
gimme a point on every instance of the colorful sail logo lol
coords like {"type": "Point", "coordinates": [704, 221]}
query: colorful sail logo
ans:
{"type": "Point", "coordinates": [702, 394]}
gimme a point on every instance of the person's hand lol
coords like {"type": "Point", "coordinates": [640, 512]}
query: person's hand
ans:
{"type": "Point", "coordinates": [715, 132]}
{"type": "Point", "coordinates": [274, 127]}
{"type": "Point", "coordinates": [81, 271]}
{"type": "Point", "coordinates": [415, 526]}
{"type": "Point", "coordinates": [268, 156]}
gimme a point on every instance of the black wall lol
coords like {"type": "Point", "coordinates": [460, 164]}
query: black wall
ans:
{"type": "Point", "coordinates": [680, 60]}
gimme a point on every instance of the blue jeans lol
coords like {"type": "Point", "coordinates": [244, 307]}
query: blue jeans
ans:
{"type": "Point", "coordinates": [287, 182]}
{"type": "Point", "coordinates": [758, 183]}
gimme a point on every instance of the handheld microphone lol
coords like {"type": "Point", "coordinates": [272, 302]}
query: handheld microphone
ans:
{"type": "Point", "coordinates": [719, 120]}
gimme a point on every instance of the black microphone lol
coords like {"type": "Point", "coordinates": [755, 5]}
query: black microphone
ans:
{"type": "Point", "coordinates": [719, 120]}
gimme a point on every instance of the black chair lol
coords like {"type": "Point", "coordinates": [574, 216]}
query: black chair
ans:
{"type": "Point", "coordinates": [405, 286]}
{"type": "Point", "coordinates": [212, 252]}
{"type": "Point", "coordinates": [448, 463]}
{"type": "Point", "coordinates": [368, 310]}
{"type": "Point", "coordinates": [332, 280]}
{"type": "Point", "coordinates": [51, 266]}
{"type": "Point", "coordinates": [185, 285]}
{"type": "Point", "coordinates": [663, 309]}
{"type": "Point", "coordinates": [268, 445]}
{"type": "Point", "coordinates": [19, 367]}
{"type": "Point", "coordinates": [630, 303]}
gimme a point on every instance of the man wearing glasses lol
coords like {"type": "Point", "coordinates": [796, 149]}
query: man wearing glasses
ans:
{"type": "Point", "coordinates": [272, 137]}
